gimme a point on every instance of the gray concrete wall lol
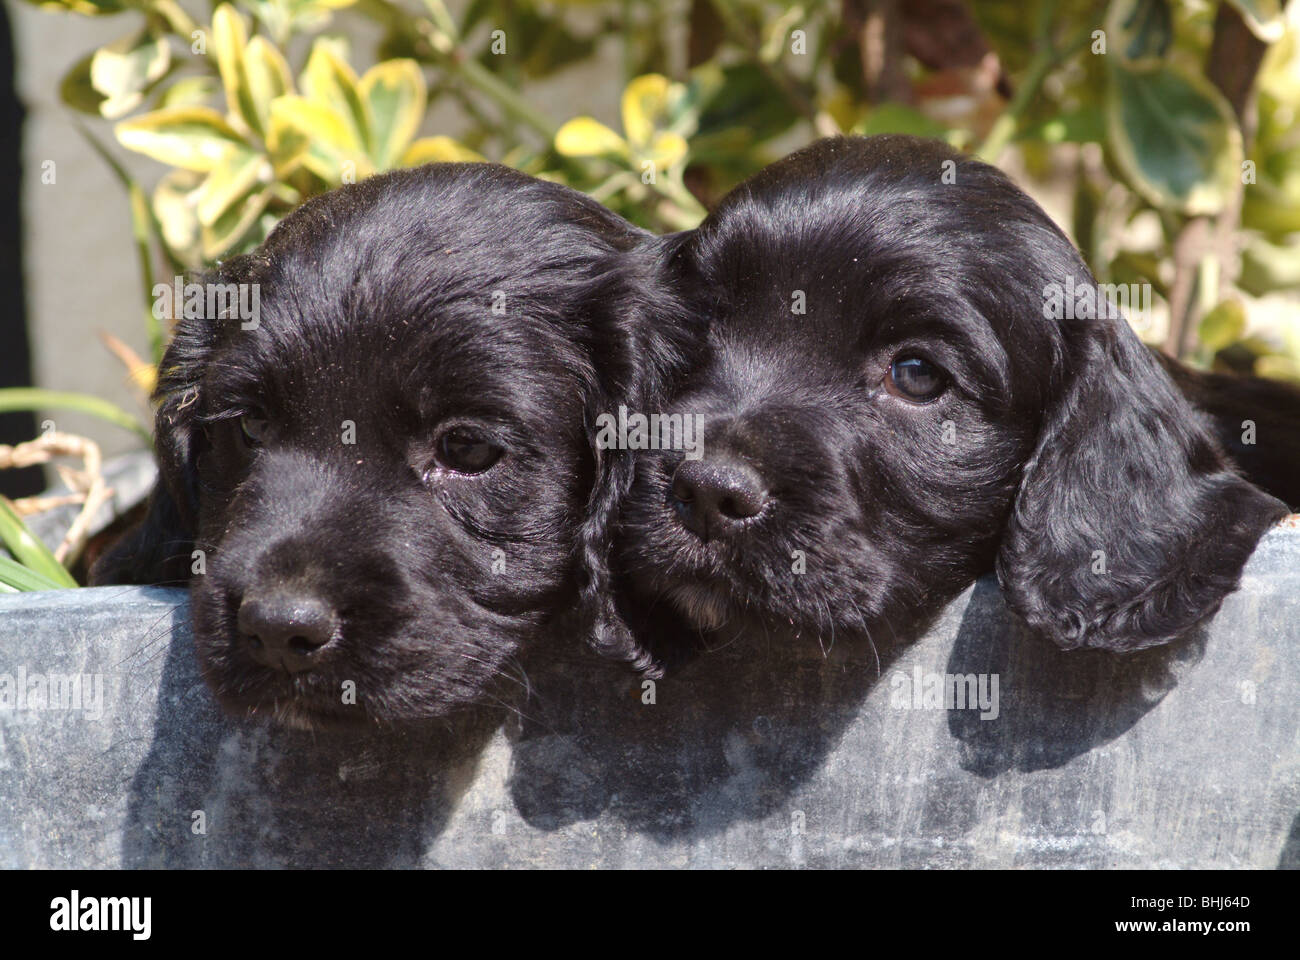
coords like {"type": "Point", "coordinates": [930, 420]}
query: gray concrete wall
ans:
{"type": "Point", "coordinates": [1185, 756]}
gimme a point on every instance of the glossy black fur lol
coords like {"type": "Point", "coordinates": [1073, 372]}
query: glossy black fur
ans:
{"type": "Point", "coordinates": [1269, 454]}
{"type": "Point", "coordinates": [1060, 450]}
{"type": "Point", "coordinates": [377, 309]}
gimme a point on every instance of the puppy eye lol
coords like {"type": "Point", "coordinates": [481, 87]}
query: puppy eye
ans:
{"type": "Point", "coordinates": [253, 430]}
{"type": "Point", "coordinates": [465, 451]}
{"type": "Point", "coordinates": [915, 379]}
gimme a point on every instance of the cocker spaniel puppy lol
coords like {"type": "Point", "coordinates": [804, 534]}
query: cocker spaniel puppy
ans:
{"type": "Point", "coordinates": [905, 385]}
{"type": "Point", "coordinates": [384, 485]}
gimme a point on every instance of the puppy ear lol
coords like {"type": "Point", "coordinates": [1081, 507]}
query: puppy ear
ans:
{"type": "Point", "coordinates": [607, 631]}
{"type": "Point", "coordinates": [158, 550]}
{"type": "Point", "coordinates": [155, 551]}
{"type": "Point", "coordinates": [643, 341]}
{"type": "Point", "coordinates": [1129, 526]}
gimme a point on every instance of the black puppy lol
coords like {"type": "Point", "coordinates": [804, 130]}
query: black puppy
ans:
{"type": "Point", "coordinates": [890, 411]}
{"type": "Point", "coordinates": [383, 486]}
{"type": "Point", "coordinates": [1256, 421]}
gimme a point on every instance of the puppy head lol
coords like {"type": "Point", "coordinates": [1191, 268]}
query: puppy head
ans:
{"type": "Point", "coordinates": [889, 411]}
{"type": "Point", "coordinates": [387, 475]}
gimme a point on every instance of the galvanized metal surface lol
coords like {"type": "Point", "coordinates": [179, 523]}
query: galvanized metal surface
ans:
{"type": "Point", "coordinates": [1187, 756]}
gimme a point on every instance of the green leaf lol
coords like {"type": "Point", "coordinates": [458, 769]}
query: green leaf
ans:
{"type": "Point", "coordinates": [1268, 267]}
{"type": "Point", "coordinates": [76, 90]}
{"type": "Point", "coordinates": [229, 38]}
{"type": "Point", "coordinates": [1174, 137]}
{"type": "Point", "coordinates": [229, 183]}
{"type": "Point", "coordinates": [396, 93]}
{"type": "Point", "coordinates": [15, 578]}
{"type": "Point", "coordinates": [1273, 207]}
{"type": "Point", "coordinates": [439, 150]}
{"type": "Point", "coordinates": [189, 92]}
{"type": "Point", "coordinates": [898, 118]}
{"type": "Point", "coordinates": [328, 143]}
{"type": "Point", "coordinates": [646, 107]}
{"type": "Point", "coordinates": [267, 75]}
{"type": "Point", "coordinates": [1139, 30]}
{"type": "Point", "coordinates": [587, 137]}
{"type": "Point", "coordinates": [175, 209]}
{"type": "Point", "coordinates": [37, 398]}
{"type": "Point", "coordinates": [28, 549]}
{"type": "Point", "coordinates": [741, 98]}
{"type": "Point", "coordinates": [331, 82]}
{"type": "Point", "coordinates": [1086, 124]}
{"type": "Point", "coordinates": [253, 72]}
{"type": "Point", "coordinates": [192, 138]}
{"type": "Point", "coordinates": [123, 70]}
{"type": "Point", "coordinates": [233, 225]}
{"type": "Point", "coordinates": [1223, 325]}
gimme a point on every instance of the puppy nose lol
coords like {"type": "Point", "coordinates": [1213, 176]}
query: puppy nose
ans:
{"type": "Point", "coordinates": [284, 630]}
{"type": "Point", "coordinates": [714, 497]}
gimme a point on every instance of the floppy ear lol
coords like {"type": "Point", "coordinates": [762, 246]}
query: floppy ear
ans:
{"type": "Point", "coordinates": [157, 550]}
{"type": "Point", "coordinates": [644, 345]}
{"type": "Point", "coordinates": [1129, 526]}
{"type": "Point", "coordinates": [607, 631]}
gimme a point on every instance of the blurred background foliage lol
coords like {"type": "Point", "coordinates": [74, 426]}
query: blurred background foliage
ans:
{"type": "Point", "coordinates": [1163, 134]}
{"type": "Point", "coordinates": [1171, 126]}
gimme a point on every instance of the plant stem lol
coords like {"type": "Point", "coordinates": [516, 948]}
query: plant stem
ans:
{"type": "Point", "coordinates": [1045, 58]}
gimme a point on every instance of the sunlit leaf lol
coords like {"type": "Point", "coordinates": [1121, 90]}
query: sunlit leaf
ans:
{"type": "Point", "coordinates": [229, 41]}
{"type": "Point", "coordinates": [193, 138]}
{"type": "Point", "coordinates": [332, 150]}
{"type": "Point", "coordinates": [645, 107]}
{"type": "Point", "coordinates": [229, 183]}
{"type": "Point", "coordinates": [396, 94]}
{"type": "Point", "coordinates": [666, 150]}
{"type": "Point", "coordinates": [189, 92]}
{"type": "Point", "coordinates": [286, 142]}
{"type": "Point", "coordinates": [175, 206]}
{"type": "Point", "coordinates": [267, 75]}
{"type": "Point", "coordinates": [123, 70]}
{"type": "Point", "coordinates": [586, 137]}
{"type": "Point", "coordinates": [234, 224]}
{"type": "Point", "coordinates": [439, 150]}
{"type": "Point", "coordinates": [330, 81]}
{"type": "Point", "coordinates": [1273, 206]}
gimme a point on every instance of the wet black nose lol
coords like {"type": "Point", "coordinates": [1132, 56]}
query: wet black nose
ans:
{"type": "Point", "coordinates": [284, 630]}
{"type": "Point", "coordinates": [714, 498]}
